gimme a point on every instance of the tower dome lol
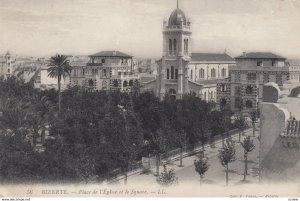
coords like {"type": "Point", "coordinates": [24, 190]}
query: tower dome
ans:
{"type": "Point", "coordinates": [176, 17]}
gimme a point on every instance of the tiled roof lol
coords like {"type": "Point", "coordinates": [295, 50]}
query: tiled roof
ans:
{"type": "Point", "coordinates": [259, 55]}
{"type": "Point", "coordinates": [111, 54]}
{"type": "Point", "coordinates": [211, 57]}
{"type": "Point", "coordinates": [209, 82]}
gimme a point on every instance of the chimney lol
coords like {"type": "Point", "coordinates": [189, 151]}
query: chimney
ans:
{"type": "Point", "coordinates": [244, 54]}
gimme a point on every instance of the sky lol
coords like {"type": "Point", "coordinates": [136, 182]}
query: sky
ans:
{"type": "Point", "coordinates": [83, 27]}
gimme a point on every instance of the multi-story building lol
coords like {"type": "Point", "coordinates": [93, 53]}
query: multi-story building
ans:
{"type": "Point", "coordinates": [294, 72]}
{"type": "Point", "coordinates": [6, 65]}
{"type": "Point", "coordinates": [206, 69]}
{"type": "Point", "coordinates": [179, 70]}
{"type": "Point", "coordinates": [243, 89]}
{"type": "Point", "coordinates": [106, 70]}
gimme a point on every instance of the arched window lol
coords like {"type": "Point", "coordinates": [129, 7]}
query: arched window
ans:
{"type": "Point", "coordinates": [201, 73]}
{"type": "Point", "coordinates": [238, 103]}
{"type": "Point", "coordinates": [249, 104]}
{"type": "Point", "coordinates": [223, 87]}
{"type": "Point", "coordinates": [130, 83]}
{"type": "Point", "coordinates": [115, 83]}
{"type": "Point", "coordinates": [204, 96]}
{"type": "Point", "coordinates": [212, 95]}
{"type": "Point", "coordinates": [91, 83]}
{"type": "Point", "coordinates": [172, 72]}
{"type": "Point", "coordinates": [125, 84]}
{"type": "Point", "coordinates": [170, 46]}
{"type": "Point", "coordinates": [223, 102]}
{"type": "Point", "coordinates": [213, 73]}
{"type": "Point", "coordinates": [186, 46]}
{"type": "Point", "coordinates": [191, 75]}
{"type": "Point", "coordinates": [175, 46]}
{"type": "Point", "coordinates": [172, 92]}
{"type": "Point", "coordinates": [223, 72]}
{"type": "Point", "coordinates": [168, 73]}
{"type": "Point", "coordinates": [104, 85]}
{"type": "Point", "coordinates": [136, 83]}
{"type": "Point", "coordinates": [176, 73]}
{"type": "Point", "coordinates": [249, 90]}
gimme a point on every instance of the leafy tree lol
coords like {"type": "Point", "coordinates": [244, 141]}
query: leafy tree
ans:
{"type": "Point", "coordinates": [180, 141]}
{"type": "Point", "coordinates": [13, 119]}
{"type": "Point", "coordinates": [218, 124]}
{"type": "Point", "coordinates": [167, 177]}
{"type": "Point", "coordinates": [158, 144]}
{"type": "Point", "coordinates": [201, 167]}
{"type": "Point", "coordinates": [40, 114]}
{"type": "Point", "coordinates": [227, 155]}
{"type": "Point", "coordinates": [240, 123]}
{"type": "Point", "coordinates": [124, 133]}
{"type": "Point", "coordinates": [248, 146]}
{"type": "Point", "coordinates": [59, 68]}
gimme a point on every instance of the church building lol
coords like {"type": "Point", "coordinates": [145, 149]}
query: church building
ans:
{"type": "Point", "coordinates": [182, 72]}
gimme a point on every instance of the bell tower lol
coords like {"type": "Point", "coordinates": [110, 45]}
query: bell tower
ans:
{"type": "Point", "coordinates": [8, 64]}
{"type": "Point", "coordinates": [173, 67]}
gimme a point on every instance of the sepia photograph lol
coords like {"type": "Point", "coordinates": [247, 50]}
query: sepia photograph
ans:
{"type": "Point", "coordinates": [149, 98]}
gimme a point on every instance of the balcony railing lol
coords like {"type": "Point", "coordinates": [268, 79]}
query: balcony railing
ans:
{"type": "Point", "coordinates": [259, 68]}
{"type": "Point", "coordinates": [109, 64]}
{"type": "Point", "coordinates": [94, 64]}
{"type": "Point", "coordinates": [125, 76]}
{"type": "Point", "coordinates": [174, 27]}
{"type": "Point", "coordinates": [91, 76]}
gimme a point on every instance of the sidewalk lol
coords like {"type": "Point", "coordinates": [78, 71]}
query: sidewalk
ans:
{"type": "Point", "coordinates": [173, 162]}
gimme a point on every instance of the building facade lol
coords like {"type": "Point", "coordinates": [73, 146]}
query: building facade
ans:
{"type": "Point", "coordinates": [242, 91]}
{"type": "Point", "coordinates": [106, 70]}
{"type": "Point", "coordinates": [182, 72]}
{"type": "Point", "coordinates": [206, 69]}
{"type": "Point", "coordinates": [6, 65]}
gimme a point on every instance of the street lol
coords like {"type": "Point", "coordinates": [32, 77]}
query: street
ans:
{"type": "Point", "coordinates": [215, 173]}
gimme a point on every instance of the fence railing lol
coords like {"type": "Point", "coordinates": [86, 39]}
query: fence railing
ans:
{"type": "Point", "coordinates": [190, 149]}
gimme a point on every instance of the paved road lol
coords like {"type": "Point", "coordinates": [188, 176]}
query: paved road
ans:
{"type": "Point", "coordinates": [215, 173]}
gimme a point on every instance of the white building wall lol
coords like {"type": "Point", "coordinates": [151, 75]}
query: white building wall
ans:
{"type": "Point", "coordinates": [46, 80]}
{"type": "Point", "coordinates": [207, 68]}
{"type": "Point", "coordinates": [208, 94]}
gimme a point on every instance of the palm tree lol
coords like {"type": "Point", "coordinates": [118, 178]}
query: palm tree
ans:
{"type": "Point", "coordinates": [59, 68]}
